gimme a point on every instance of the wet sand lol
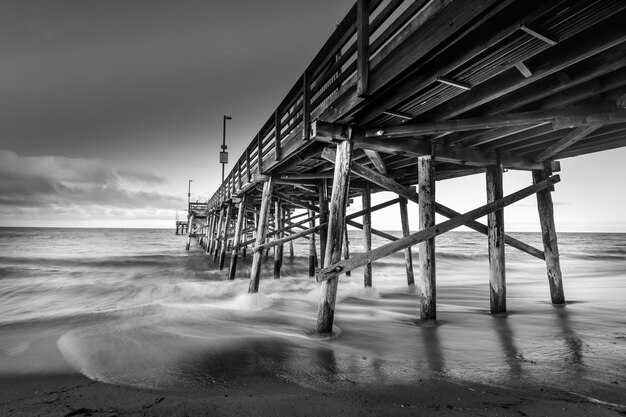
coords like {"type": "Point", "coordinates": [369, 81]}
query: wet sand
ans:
{"type": "Point", "coordinates": [74, 395]}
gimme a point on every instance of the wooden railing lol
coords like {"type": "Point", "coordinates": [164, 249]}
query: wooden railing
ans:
{"type": "Point", "coordinates": [369, 29]}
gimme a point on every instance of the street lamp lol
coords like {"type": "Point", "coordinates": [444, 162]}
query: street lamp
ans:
{"type": "Point", "coordinates": [189, 192]}
{"type": "Point", "coordinates": [224, 154]}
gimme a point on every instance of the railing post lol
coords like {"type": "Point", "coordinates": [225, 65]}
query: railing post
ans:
{"type": "Point", "coordinates": [363, 55]}
{"type": "Point", "coordinates": [306, 106]}
{"type": "Point", "coordinates": [277, 138]}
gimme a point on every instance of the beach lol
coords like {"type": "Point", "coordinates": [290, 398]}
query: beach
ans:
{"type": "Point", "coordinates": [126, 322]}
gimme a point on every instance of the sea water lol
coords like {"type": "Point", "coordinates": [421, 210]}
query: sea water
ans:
{"type": "Point", "coordinates": [131, 306]}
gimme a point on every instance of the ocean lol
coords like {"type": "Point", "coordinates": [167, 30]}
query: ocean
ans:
{"type": "Point", "coordinates": [132, 307]}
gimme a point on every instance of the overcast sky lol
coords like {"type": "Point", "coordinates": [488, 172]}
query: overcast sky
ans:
{"type": "Point", "coordinates": [107, 108]}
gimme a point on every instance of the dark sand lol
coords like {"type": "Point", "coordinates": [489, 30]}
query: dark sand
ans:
{"type": "Point", "coordinates": [75, 395]}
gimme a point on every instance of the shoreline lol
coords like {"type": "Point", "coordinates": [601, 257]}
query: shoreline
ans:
{"type": "Point", "coordinates": [75, 395]}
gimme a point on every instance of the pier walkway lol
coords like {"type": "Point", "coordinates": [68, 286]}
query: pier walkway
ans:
{"type": "Point", "coordinates": [407, 93]}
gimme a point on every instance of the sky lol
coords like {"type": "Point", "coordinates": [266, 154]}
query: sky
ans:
{"type": "Point", "coordinates": [108, 108]}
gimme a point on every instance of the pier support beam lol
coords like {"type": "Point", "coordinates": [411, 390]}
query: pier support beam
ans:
{"type": "Point", "coordinates": [548, 234]}
{"type": "Point", "coordinates": [278, 250]}
{"type": "Point", "coordinates": [312, 247]}
{"type": "Point", "coordinates": [241, 214]}
{"type": "Point", "coordinates": [218, 228]}
{"type": "Point", "coordinates": [367, 232]}
{"type": "Point", "coordinates": [428, 293]}
{"type": "Point", "coordinates": [189, 221]}
{"type": "Point", "coordinates": [210, 231]}
{"type": "Point", "coordinates": [495, 237]}
{"type": "Point", "coordinates": [224, 246]}
{"type": "Point", "coordinates": [346, 248]}
{"type": "Point", "coordinates": [406, 231]}
{"type": "Point", "coordinates": [336, 224]}
{"type": "Point", "coordinates": [255, 270]}
{"type": "Point", "coordinates": [323, 218]}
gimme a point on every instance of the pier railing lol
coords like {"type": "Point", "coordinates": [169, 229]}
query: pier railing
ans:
{"type": "Point", "coordinates": [370, 30]}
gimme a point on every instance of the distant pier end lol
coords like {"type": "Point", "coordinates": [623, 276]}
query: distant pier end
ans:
{"type": "Point", "coordinates": [425, 92]}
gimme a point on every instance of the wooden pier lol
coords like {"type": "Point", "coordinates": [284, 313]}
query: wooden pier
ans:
{"type": "Point", "coordinates": [407, 93]}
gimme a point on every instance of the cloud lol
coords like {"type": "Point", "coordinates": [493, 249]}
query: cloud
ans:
{"type": "Point", "coordinates": [56, 185]}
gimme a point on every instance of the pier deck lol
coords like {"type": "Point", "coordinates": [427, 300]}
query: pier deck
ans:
{"type": "Point", "coordinates": [408, 93]}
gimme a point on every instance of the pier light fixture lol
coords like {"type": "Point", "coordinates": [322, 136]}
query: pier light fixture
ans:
{"type": "Point", "coordinates": [223, 153]}
{"type": "Point", "coordinates": [189, 192]}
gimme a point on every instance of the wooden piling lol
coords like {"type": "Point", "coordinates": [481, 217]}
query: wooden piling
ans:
{"type": "Point", "coordinates": [367, 232]}
{"type": "Point", "coordinates": [241, 213]}
{"type": "Point", "coordinates": [255, 270]}
{"type": "Point", "coordinates": [216, 245]}
{"type": "Point", "coordinates": [495, 236]}
{"type": "Point", "coordinates": [312, 248]}
{"type": "Point", "coordinates": [278, 250]}
{"type": "Point", "coordinates": [224, 246]}
{"type": "Point", "coordinates": [346, 248]}
{"type": "Point", "coordinates": [406, 231]}
{"type": "Point", "coordinates": [323, 203]}
{"type": "Point", "coordinates": [548, 234]}
{"type": "Point", "coordinates": [189, 221]}
{"type": "Point", "coordinates": [209, 232]}
{"type": "Point", "coordinates": [336, 224]}
{"type": "Point", "coordinates": [428, 293]}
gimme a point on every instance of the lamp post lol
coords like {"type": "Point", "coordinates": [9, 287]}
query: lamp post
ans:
{"type": "Point", "coordinates": [189, 192]}
{"type": "Point", "coordinates": [224, 154]}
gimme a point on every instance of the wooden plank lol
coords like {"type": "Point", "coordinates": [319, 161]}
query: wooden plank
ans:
{"type": "Point", "coordinates": [548, 234]}
{"type": "Point", "coordinates": [241, 214]}
{"type": "Point", "coordinates": [618, 116]}
{"type": "Point", "coordinates": [376, 160]}
{"type": "Point", "coordinates": [363, 53]}
{"type": "Point", "coordinates": [367, 232]}
{"type": "Point", "coordinates": [358, 261]}
{"type": "Point", "coordinates": [567, 141]}
{"type": "Point", "coordinates": [336, 224]}
{"type": "Point", "coordinates": [495, 235]}
{"type": "Point", "coordinates": [523, 69]}
{"type": "Point", "coordinates": [406, 231]}
{"type": "Point", "coordinates": [487, 122]}
{"type": "Point", "coordinates": [255, 269]}
{"type": "Point", "coordinates": [539, 35]}
{"type": "Point", "coordinates": [277, 136]}
{"type": "Point", "coordinates": [306, 106]}
{"type": "Point", "coordinates": [426, 186]}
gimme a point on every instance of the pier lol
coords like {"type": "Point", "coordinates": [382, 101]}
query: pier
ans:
{"type": "Point", "coordinates": [408, 93]}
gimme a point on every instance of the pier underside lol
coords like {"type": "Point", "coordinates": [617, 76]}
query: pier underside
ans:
{"type": "Point", "coordinates": [408, 93]}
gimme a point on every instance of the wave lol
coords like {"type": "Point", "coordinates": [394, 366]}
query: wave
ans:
{"type": "Point", "coordinates": [112, 261]}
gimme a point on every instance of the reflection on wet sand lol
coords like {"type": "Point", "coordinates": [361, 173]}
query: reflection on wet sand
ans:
{"type": "Point", "coordinates": [573, 343]}
{"type": "Point", "coordinates": [512, 355]}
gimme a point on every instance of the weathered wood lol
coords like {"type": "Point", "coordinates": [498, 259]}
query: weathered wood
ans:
{"type": "Point", "coordinates": [495, 224]}
{"type": "Point", "coordinates": [241, 214]}
{"type": "Point", "coordinates": [216, 246]}
{"type": "Point", "coordinates": [618, 116]}
{"type": "Point", "coordinates": [366, 197]}
{"type": "Point", "coordinates": [255, 269]}
{"type": "Point", "coordinates": [406, 231]}
{"type": "Point", "coordinates": [346, 248]}
{"type": "Point", "coordinates": [323, 210]}
{"type": "Point", "coordinates": [417, 147]}
{"type": "Point", "coordinates": [567, 141]}
{"type": "Point", "coordinates": [210, 232]}
{"type": "Point", "coordinates": [410, 194]}
{"type": "Point", "coordinates": [376, 232]}
{"type": "Point", "coordinates": [548, 234]}
{"type": "Point", "coordinates": [541, 36]}
{"type": "Point", "coordinates": [523, 69]}
{"type": "Point", "coordinates": [312, 247]}
{"type": "Point", "coordinates": [376, 160]}
{"type": "Point", "coordinates": [358, 261]}
{"type": "Point", "coordinates": [336, 224]}
{"type": "Point", "coordinates": [190, 221]}
{"type": "Point", "coordinates": [278, 249]}
{"type": "Point", "coordinates": [224, 234]}
{"type": "Point", "coordinates": [363, 52]}
{"type": "Point", "coordinates": [427, 290]}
